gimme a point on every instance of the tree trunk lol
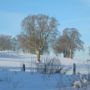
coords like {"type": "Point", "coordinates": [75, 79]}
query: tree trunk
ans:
{"type": "Point", "coordinates": [38, 56]}
{"type": "Point", "coordinates": [70, 53]}
{"type": "Point", "coordinates": [66, 53]}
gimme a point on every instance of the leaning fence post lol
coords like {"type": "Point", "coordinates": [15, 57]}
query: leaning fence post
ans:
{"type": "Point", "coordinates": [23, 67]}
{"type": "Point", "coordinates": [74, 68]}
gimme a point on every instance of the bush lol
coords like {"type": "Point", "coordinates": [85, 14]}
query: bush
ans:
{"type": "Point", "coordinates": [51, 66]}
{"type": "Point", "coordinates": [82, 82]}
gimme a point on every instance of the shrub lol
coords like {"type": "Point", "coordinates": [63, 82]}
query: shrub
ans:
{"type": "Point", "coordinates": [51, 66]}
{"type": "Point", "coordinates": [82, 82]}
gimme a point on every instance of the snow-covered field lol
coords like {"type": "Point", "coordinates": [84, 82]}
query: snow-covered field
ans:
{"type": "Point", "coordinates": [33, 81]}
{"type": "Point", "coordinates": [10, 79]}
{"type": "Point", "coordinates": [14, 61]}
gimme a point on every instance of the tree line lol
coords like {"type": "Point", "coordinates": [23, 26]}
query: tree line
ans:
{"type": "Point", "coordinates": [8, 43]}
{"type": "Point", "coordinates": [39, 34]}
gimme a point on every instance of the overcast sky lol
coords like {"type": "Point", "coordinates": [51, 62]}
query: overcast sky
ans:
{"type": "Point", "coordinates": [69, 13]}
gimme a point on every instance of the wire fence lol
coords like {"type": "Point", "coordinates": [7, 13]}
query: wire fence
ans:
{"type": "Point", "coordinates": [33, 66]}
{"type": "Point", "coordinates": [30, 62]}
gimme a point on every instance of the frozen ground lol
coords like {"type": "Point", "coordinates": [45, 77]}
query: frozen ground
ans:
{"type": "Point", "coordinates": [13, 61]}
{"type": "Point", "coordinates": [10, 79]}
{"type": "Point", "coordinates": [33, 81]}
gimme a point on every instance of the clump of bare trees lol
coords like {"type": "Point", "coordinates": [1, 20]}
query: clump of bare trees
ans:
{"type": "Point", "coordinates": [39, 31]}
{"type": "Point", "coordinates": [5, 42]}
{"type": "Point", "coordinates": [8, 43]}
{"type": "Point", "coordinates": [68, 42]}
{"type": "Point", "coordinates": [15, 44]}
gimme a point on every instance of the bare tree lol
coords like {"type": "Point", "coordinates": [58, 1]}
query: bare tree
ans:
{"type": "Point", "coordinates": [69, 42]}
{"type": "Point", "coordinates": [38, 33]}
{"type": "Point", "coordinates": [15, 44]}
{"type": "Point", "coordinates": [5, 42]}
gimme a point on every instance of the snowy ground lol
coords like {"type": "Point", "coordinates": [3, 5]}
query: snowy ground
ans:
{"type": "Point", "coordinates": [10, 79]}
{"type": "Point", "coordinates": [13, 61]}
{"type": "Point", "coordinates": [33, 81]}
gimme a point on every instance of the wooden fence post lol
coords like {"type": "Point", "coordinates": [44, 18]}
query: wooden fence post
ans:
{"type": "Point", "coordinates": [74, 68]}
{"type": "Point", "coordinates": [23, 67]}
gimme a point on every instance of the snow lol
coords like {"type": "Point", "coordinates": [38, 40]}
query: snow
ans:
{"type": "Point", "coordinates": [33, 81]}
{"type": "Point", "coordinates": [15, 60]}
{"type": "Point", "coordinates": [10, 79]}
